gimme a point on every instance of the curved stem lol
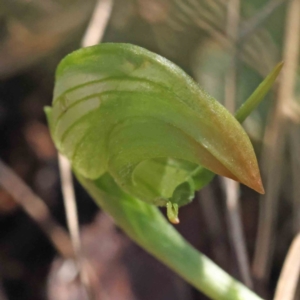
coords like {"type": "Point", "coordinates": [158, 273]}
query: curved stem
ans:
{"type": "Point", "coordinates": [147, 227]}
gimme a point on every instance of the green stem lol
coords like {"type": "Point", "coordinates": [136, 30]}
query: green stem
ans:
{"type": "Point", "coordinates": [257, 96]}
{"type": "Point", "coordinates": [148, 227]}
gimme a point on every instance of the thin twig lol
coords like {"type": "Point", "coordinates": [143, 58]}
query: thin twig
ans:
{"type": "Point", "coordinates": [36, 209]}
{"type": "Point", "coordinates": [70, 203]}
{"type": "Point", "coordinates": [288, 280]}
{"type": "Point", "coordinates": [73, 224]}
{"type": "Point", "coordinates": [274, 144]}
{"type": "Point", "coordinates": [92, 36]}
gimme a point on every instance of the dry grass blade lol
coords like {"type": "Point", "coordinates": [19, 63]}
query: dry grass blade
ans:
{"type": "Point", "coordinates": [92, 36]}
{"type": "Point", "coordinates": [73, 224]}
{"type": "Point", "coordinates": [189, 13]}
{"type": "Point", "coordinates": [233, 20]}
{"type": "Point", "coordinates": [294, 145]}
{"type": "Point", "coordinates": [212, 218]}
{"type": "Point", "coordinates": [231, 189]}
{"type": "Point", "coordinates": [273, 152]}
{"type": "Point", "coordinates": [98, 22]}
{"type": "Point", "coordinates": [36, 209]}
{"type": "Point", "coordinates": [210, 16]}
{"type": "Point", "coordinates": [249, 26]}
{"type": "Point", "coordinates": [287, 284]}
{"type": "Point", "coordinates": [185, 15]}
{"type": "Point", "coordinates": [274, 145]}
{"type": "Point", "coordinates": [70, 203]}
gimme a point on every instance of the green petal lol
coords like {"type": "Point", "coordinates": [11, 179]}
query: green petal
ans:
{"type": "Point", "coordinates": [120, 109]}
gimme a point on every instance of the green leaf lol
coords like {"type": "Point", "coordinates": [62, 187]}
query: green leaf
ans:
{"type": "Point", "coordinates": [253, 101]}
{"type": "Point", "coordinates": [121, 109]}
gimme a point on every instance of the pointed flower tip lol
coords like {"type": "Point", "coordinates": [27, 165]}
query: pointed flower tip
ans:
{"type": "Point", "coordinates": [280, 65]}
{"type": "Point", "coordinates": [277, 69]}
{"type": "Point", "coordinates": [260, 189]}
{"type": "Point", "coordinates": [257, 186]}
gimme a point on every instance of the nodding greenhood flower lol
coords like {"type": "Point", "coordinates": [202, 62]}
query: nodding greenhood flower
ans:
{"type": "Point", "coordinates": [123, 110]}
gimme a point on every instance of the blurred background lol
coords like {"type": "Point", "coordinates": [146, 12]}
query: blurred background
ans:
{"type": "Point", "coordinates": [228, 47]}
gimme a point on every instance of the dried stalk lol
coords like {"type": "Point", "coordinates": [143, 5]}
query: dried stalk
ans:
{"type": "Point", "coordinates": [294, 145]}
{"type": "Point", "coordinates": [231, 188]}
{"type": "Point", "coordinates": [92, 36]}
{"type": "Point", "coordinates": [274, 145]}
{"type": "Point", "coordinates": [287, 283]}
{"type": "Point", "coordinates": [212, 218]}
